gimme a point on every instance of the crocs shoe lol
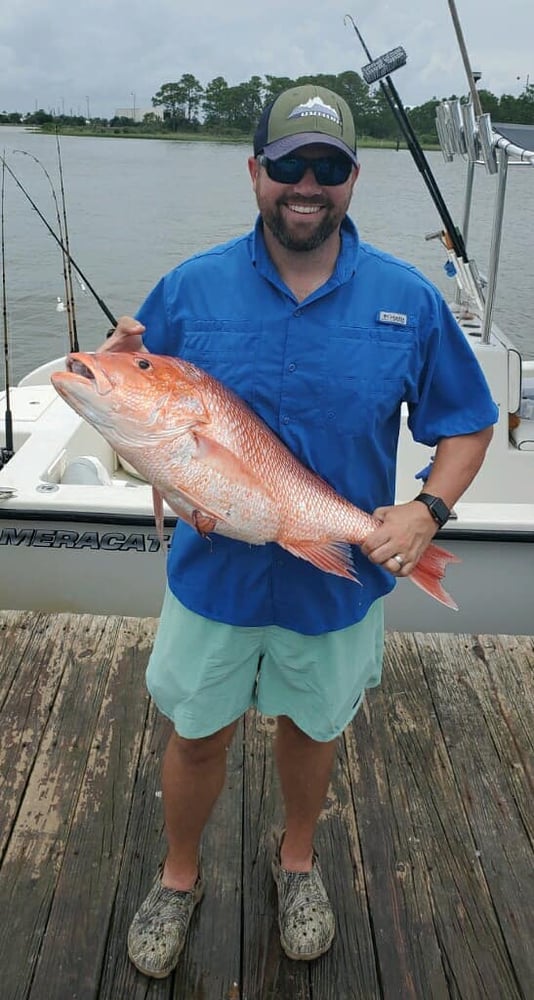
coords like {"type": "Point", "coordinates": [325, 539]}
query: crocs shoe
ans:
{"type": "Point", "coordinates": [158, 931]}
{"type": "Point", "coordinates": [305, 917]}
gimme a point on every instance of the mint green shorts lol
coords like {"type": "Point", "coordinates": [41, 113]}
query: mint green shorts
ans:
{"type": "Point", "coordinates": [204, 674]}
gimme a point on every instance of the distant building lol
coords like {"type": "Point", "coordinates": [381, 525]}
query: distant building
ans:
{"type": "Point", "coordinates": [138, 114]}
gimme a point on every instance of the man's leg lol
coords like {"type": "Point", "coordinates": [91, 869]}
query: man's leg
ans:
{"type": "Point", "coordinates": [304, 766]}
{"type": "Point", "coordinates": [305, 917]}
{"type": "Point", "coordinates": [193, 775]}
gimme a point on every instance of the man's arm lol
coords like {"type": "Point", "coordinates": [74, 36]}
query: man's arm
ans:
{"type": "Point", "coordinates": [125, 337]}
{"type": "Point", "coordinates": [408, 528]}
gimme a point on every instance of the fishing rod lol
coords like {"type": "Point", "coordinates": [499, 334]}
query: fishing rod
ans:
{"type": "Point", "coordinates": [72, 339]}
{"type": "Point", "coordinates": [60, 243]}
{"type": "Point", "coordinates": [70, 299]}
{"type": "Point", "coordinates": [378, 71]}
{"type": "Point", "coordinates": [7, 452]}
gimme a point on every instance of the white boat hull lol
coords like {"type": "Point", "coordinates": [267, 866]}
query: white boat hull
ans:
{"type": "Point", "coordinates": [118, 567]}
{"type": "Point", "coordinates": [493, 587]}
{"type": "Point", "coordinates": [102, 567]}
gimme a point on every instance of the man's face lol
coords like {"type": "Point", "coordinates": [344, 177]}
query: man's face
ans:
{"type": "Point", "coordinates": [302, 216]}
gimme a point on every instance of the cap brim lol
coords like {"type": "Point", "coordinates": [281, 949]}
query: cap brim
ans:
{"type": "Point", "coordinates": [289, 143]}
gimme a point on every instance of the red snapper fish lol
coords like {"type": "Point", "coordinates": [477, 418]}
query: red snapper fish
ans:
{"type": "Point", "coordinates": [218, 465]}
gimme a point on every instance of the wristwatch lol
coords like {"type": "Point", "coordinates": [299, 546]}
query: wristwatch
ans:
{"type": "Point", "coordinates": [439, 510]}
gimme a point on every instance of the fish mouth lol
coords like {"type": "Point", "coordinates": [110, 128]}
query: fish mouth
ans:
{"type": "Point", "coordinates": [85, 368]}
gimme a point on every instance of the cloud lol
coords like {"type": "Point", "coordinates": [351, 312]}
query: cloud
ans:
{"type": "Point", "coordinates": [63, 54]}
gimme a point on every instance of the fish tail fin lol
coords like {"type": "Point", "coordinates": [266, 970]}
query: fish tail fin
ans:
{"type": "Point", "coordinates": [429, 572]}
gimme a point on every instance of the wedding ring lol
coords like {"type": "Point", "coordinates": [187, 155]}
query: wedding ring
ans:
{"type": "Point", "coordinates": [399, 559]}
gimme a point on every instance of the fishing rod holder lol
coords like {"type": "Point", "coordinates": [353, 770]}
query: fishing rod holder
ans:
{"type": "Point", "coordinates": [459, 132]}
{"type": "Point", "coordinates": [379, 68]}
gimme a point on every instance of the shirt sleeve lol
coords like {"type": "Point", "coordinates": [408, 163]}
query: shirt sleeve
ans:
{"type": "Point", "coordinates": [159, 336]}
{"type": "Point", "coordinates": [453, 396]}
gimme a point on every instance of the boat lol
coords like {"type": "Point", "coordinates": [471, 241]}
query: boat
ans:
{"type": "Point", "coordinates": [77, 531]}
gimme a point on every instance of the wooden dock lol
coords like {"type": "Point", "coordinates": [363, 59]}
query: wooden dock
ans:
{"type": "Point", "coordinates": [426, 840]}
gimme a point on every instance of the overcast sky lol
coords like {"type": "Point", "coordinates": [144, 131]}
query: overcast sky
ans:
{"type": "Point", "coordinates": [64, 55]}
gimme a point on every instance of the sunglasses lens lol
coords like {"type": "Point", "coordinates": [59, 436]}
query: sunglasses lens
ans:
{"type": "Point", "coordinates": [332, 170]}
{"type": "Point", "coordinates": [287, 170]}
{"type": "Point", "coordinates": [329, 171]}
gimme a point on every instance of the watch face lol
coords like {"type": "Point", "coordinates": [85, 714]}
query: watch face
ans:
{"type": "Point", "coordinates": [439, 510]}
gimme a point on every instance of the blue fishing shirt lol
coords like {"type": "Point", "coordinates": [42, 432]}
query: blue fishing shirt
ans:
{"type": "Point", "coordinates": [328, 375]}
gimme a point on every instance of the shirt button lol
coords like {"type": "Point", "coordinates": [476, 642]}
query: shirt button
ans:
{"type": "Point", "coordinates": [285, 420]}
{"type": "Point", "coordinates": [298, 312]}
{"type": "Point", "coordinates": [291, 367]}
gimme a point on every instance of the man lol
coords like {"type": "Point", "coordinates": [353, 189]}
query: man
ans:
{"type": "Point", "coordinates": [325, 337]}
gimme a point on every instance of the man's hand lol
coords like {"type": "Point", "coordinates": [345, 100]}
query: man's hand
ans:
{"type": "Point", "coordinates": [406, 530]}
{"type": "Point", "coordinates": [125, 337]}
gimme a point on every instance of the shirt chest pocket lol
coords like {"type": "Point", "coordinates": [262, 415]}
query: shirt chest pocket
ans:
{"type": "Point", "coordinates": [226, 350]}
{"type": "Point", "coordinates": [365, 379]}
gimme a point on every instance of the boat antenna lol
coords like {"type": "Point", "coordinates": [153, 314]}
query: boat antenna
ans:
{"type": "Point", "coordinates": [475, 96]}
{"type": "Point", "coordinates": [70, 296]}
{"type": "Point", "coordinates": [8, 451]}
{"type": "Point", "coordinates": [60, 243]}
{"type": "Point", "coordinates": [378, 71]}
{"type": "Point", "coordinates": [63, 255]}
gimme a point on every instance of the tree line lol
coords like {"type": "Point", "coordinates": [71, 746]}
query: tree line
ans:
{"type": "Point", "coordinates": [189, 107]}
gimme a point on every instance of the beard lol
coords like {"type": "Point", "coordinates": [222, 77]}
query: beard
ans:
{"type": "Point", "coordinates": [276, 222]}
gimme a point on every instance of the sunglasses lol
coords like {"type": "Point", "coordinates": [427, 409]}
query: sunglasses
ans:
{"type": "Point", "coordinates": [329, 171]}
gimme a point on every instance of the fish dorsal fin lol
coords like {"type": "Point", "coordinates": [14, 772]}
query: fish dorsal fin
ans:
{"type": "Point", "coordinates": [332, 557]}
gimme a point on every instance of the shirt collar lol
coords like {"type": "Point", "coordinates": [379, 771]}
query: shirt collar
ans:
{"type": "Point", "coordinates": [345, 264]}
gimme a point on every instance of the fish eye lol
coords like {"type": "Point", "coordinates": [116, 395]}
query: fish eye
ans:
{"type": "Point", "coordinates": [142, 363]}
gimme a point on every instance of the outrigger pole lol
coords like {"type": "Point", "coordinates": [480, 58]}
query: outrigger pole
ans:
{"type": "Point", "coordinates": [378, 71]}
{"type": "Point", "coordinates": [60, 243]}
{"type": "Point", "coordinates": [475, 96]}
{"type": "Point", "coordinates": [7, 452]}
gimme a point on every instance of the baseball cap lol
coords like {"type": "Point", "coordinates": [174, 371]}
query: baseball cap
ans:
{"type": "Point", "coordinates": [302, 116]}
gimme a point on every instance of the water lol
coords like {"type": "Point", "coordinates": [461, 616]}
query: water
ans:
{"type": "Point", "coordinates": [137, 207]}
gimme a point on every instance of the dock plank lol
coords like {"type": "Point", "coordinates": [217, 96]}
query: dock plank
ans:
{"type": "Point", "coordinates": [494, 776]}
{"type": "Point", "coordinates": [425, 840]}
{"type": "Point", "coordinates": [33, 661]}
{"type": "Point", "coordinates": [429, 886]}
{"type": "Point", "coordinates": [35, 851]}
{"type": "Point", "coordinates": [77, 926]}
{"type": "Point", "coordinates": [143, 850]}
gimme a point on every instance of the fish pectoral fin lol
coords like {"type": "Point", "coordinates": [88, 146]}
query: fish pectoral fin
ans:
{"type": "Point", "coordinates": [332, 557]}
{"type": "Point", "coordinates": [207, 514]}
{"type": "Point", "coordinates": [204, 523]}
{"type": "Point", "coordinates": [157, 502]}
{"type": "Point", "coordinates": [223, 460]}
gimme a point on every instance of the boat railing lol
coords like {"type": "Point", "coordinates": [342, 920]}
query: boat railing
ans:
{"type": "Point", "coordinates": [496, 147]}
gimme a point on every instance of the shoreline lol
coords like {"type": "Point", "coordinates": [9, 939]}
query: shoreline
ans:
{"type": "Point", "coordinates": [123, 132]}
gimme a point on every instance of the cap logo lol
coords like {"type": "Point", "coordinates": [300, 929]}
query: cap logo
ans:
{"type": "Point", "coordinates": [315, 106]}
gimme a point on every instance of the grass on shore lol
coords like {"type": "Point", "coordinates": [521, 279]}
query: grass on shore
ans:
{"type": "Point", "coordinates": [125, 132]}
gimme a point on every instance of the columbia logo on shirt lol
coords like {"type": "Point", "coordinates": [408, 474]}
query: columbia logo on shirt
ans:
{"type": "Point", "coordinates": [400, 319]}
